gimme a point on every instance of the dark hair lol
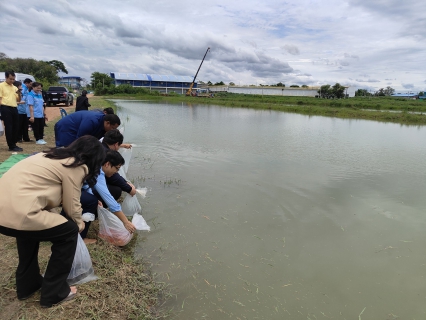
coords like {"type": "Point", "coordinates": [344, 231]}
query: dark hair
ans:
{"type": "Point", "coordinates": [9, 73]}
{"type": "Point", "coordinates": [85, 150]}
{"type": "Point", "coordinates": [17, 83]}
{"type": "Point", "coordinates": [112, 137]}
{"type": "Point", "coordinates": [36, 84]}
{"type": "Point", "coordinates": [114, 158]}
{"type": "Point", "coordinates": [19, 92]}
{"type": "Point", "coordinates": [28, 80]}
{"type": "Point", "coordinates": [109, 110]}
{"type": "Point", "coordinates": [112, 119]}
{"type": "Point", "coordinates": [83, 93]}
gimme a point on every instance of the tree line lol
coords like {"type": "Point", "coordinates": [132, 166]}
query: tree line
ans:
{"type": "Point", "coordinates": [382, 92]}
{"type": "Point", "coordinates": [45, 72]}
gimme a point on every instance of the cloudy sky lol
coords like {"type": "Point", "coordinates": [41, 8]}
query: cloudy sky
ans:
{"type": "Point", "coordinates": [362, 43]}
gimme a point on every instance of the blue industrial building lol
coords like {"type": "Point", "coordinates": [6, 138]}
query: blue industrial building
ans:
{"type": "Point", "coordinates": [71, 81]}
{"type": "Point", "coordinates": [161, 83]}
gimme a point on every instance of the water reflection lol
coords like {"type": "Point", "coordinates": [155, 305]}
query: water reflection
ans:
{"type": "Point", "coordinates": [268, 215]}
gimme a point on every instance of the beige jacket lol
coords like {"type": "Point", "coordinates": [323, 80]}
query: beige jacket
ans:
{"type": "Point", "coordinates": [35, 185]}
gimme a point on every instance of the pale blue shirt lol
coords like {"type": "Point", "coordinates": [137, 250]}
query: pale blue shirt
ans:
{"type": "Point", "coordinates": [102, 189]}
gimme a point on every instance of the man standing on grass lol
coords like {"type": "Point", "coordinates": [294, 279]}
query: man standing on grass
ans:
{"type": "Point", "coordinates": [9, 110]}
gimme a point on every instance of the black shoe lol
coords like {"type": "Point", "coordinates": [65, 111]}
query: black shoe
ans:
{"type": "Point", "coordinates": [16, 149]}
{"type": "Point", "coordinates": [19, 141]}
{"type": "Point", "coordinates": [29, 140]}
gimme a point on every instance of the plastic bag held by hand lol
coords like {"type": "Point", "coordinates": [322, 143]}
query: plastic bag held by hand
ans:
{"type": "Point", "coordinates": [142, 192]}
{"type": "Point", "coordinates": [111, 228]}
{"type": "Point", "coordinates": [1, 128]}
{"type": "Point", "coordinates": [127, 154]}
{"type": "Point", "coordinates": [81, 270]}
{"type": "Point", "coordinates": [140, 223]}
{"type": "Point", "coordinates": [130, 205]}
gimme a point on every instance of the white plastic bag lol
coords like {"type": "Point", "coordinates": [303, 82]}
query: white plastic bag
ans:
{"type": "Point", "coordinates": [88, 216]}
{"type": "Point", "coordinates": [130, 205]}
{"type": "Point", "coordinates": [127, 155]}
{"type": "Point", "coordinates": [142, 192]}
{"type": "Point", "coordinates": [111, 228]}
{"type": "Point", "coordinates": [81, 270]}
{"type": "Point", "coordinates": [140, 223]}
{"type": "Point", "coordinates": [1, 128]}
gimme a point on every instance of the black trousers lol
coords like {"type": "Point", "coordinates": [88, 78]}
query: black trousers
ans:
{"type": "Point", "coordinates": [54, 286]}
{"type": "Point", "coordinates": [23, 127]}
{"type": "Point", "coordinates": [38, 128]}
{"type": "Point", "coordinates": [89, 203]}
{"type": "Point", "coordinates": [9, 116]}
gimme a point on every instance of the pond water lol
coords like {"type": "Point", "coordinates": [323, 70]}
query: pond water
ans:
{"type": "Point", "coordinates": [271, 215]}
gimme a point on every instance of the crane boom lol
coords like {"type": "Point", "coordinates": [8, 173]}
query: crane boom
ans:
{"type": "Point", "coordinates": [189, 91]}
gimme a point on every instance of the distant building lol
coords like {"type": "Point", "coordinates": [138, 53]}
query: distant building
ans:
{"type": "Point", "coordinates": [161, 83]}
{"type": "Point", "coordinates": [408, 95]}
{"type": "Point", "coordinates": [275, 91]}
{"type": "Point", "coordinates": [71, 81]}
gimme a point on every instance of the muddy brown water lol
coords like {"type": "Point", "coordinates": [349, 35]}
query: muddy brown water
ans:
{"type": "Point", "coordinates": [271, 215]}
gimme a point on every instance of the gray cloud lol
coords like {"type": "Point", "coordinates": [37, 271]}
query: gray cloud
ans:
{"type": "Point", "coordinates": [408, 85]}
{"type": "Point", "coordinates": [292, 49]}
{"type": "Point", "coordinates": [368, 80]}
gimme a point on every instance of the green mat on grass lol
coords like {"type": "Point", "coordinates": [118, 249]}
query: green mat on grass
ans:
{"type": "Point", "coordinates": [9, 162]}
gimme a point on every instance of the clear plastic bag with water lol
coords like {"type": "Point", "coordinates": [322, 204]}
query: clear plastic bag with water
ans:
{"type": "Point", "coordinates": [111, 228]}
{"type": "Point", "coordinates": [130, 205]}
{"type": "Point", "coordinates": [81, 270]}
{"type": "Point", "coordinates": [127, 155]}
{"type": "Point", "coordinates": [140, 223]}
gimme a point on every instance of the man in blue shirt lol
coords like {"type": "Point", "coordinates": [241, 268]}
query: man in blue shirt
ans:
{"type": "Point", "coordinates": [78, 124]}
{"type": "Point", "coordinates": [22, 112]}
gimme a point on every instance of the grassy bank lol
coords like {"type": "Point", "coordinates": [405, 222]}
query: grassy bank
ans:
{"type": "Point", "coordinates": [384, 109]}
{"type": "Point", "coordinates": [125, 289]}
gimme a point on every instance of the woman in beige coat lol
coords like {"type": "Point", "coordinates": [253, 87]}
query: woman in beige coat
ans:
{"type": "Point", "coordinates": [29, 190]}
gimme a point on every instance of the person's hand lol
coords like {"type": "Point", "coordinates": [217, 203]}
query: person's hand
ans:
{"type": "Point", "coordinates": [133, 191]}
{"type": "Point", "coordinates": [126, 145]}
{"type": "Point", "coordinates": [81, 226]}
{"type": "Point", "coordinates": [100, 204]}
{"type": "Point", "coordinates": [130, 227]}
{"type": "Point", "coordinates": [31, 119]}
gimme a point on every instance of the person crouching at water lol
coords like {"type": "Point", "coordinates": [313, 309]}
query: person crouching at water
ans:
{"type": "Point", "coordinates": [29, 190]}
{"type": "Point", "coordinates": [35, 112]}
{"type": "Point", "coordinates": [89, 198]}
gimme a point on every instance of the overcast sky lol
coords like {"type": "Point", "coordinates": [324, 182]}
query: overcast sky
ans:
{"type": "Point", "coordinates": [361, 43]}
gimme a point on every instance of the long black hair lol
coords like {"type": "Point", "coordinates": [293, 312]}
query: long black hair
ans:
{"type": "Point", "coordinates": [85, 150]}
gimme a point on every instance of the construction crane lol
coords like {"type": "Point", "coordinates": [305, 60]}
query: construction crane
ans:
{"type": "Point", "coordinates": [188, 93]}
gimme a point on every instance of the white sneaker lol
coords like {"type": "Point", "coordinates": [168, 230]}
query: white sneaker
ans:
{"type": "Point", "coordinates": [41, 141]}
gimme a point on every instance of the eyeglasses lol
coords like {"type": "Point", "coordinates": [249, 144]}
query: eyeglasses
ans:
{"type": "Point", "coordinates": [118, 168]}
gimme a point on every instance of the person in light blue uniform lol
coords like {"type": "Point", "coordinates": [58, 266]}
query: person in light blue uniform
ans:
{"type": "Point", "coordinates": [22, 112]}
{"type": "Point", "coordinates": [35, 112]}
{"type": "Point", "coordinates": [89, 198]}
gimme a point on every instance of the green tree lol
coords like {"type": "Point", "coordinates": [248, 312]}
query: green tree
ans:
{"type": "Point", "coordinates": [219, 83]}
{"type": "Point", "coordinates": [305, 86]}
{"type": "Point", "coordinates": [338, 91]}
{"type": "Point", "coordinates": [58, 65]}
{"type": "Point", "coordinates": [209, 83]}
{"type": "Point", "coordinates": [232, 84]}
{"type": "Point", "coordinates": [362, 93]}
{"type": "Point", "coordinates": [294, 86]}
{"type": "Point", "coordinates": [280, 84]}
{"type": "Point", "coordinates": [325, 91]}
{"type": "Point", "coordinates": [101, 80]}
